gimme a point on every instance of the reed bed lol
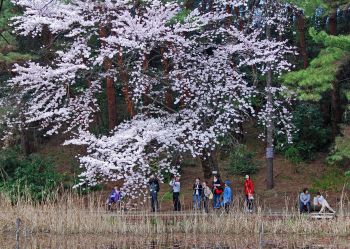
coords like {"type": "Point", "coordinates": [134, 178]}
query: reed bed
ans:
{"type": "Point", "coordinates": [71, 214]}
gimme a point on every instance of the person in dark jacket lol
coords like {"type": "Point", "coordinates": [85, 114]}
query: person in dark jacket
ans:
{"type": "Point", "coordinates": [197, 194]}
{"type": "Point", "coordinates": [154, 189]}
{"type": "Point", "coordinates": [217, 191]}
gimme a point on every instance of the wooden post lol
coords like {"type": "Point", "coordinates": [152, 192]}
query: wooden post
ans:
{"type": "Point", "coordinates": [261, 232]}
{"type": "Point", "coordinates": [18, 223]}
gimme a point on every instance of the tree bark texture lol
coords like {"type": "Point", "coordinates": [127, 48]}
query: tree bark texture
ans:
{"type": "Point", "coordinates": [125, 88]}
{"type": "Point", "coordinates": [169, 99]}
{"type": "Point", "coordinates": [301, 29]}
{"type": "Point", "coordinates": [209, 164]}
{"type": "Point", "coordinates": [110, 89]}
{"type": "Point", "coordinates": [336, 112]}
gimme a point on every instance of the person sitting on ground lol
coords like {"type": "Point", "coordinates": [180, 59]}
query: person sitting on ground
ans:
{"type": "Point", "coordinates": [249, 192]}
{"type": "Point", "coordinates": [197, 194]}
{"type": "Point", "coordinates": [227, 196]}
{"type": "Point", "coordinates": [114, 197]}
{"type": "Point", "coordinates": [154, 189]}
{"type": "Point", "coordinates": [323, 203]}
{"type": "Point", "coordinates": [304, 201]}
{"type": "Point", "coordinates": [207, 195]}
{"type": "Point", "coordinates": [175, 184]}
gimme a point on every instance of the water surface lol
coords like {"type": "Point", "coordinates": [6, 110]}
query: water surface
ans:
{"type": "Point", "coordinates": [179, 241]}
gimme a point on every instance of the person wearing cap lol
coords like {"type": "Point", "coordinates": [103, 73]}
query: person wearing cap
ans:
{"type": "Point", "coordinates": [249, 193]}
{"type": "Point", "coordinates": [227, 196]}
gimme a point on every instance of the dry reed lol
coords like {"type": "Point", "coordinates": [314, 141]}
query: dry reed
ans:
{"type": "Point", "coordinates": [71, 214]}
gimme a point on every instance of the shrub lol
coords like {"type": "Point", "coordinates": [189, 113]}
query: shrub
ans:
{"type": "Point", "coordinates": [310, 136]}
{"type": "Point", "coordinates": [333, 179]}
{"type": "Point", "coordinates": [241, 161]}
{"type": "Point", "coordinates": [33, 177]}
{"type": "Point", "coordinates": [340, 154]}
{"type": "Point", "coordinates": [292, 154]}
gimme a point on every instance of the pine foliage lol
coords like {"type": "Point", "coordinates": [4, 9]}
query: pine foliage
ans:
{"type": "Point", "coordinates": [312, 82]}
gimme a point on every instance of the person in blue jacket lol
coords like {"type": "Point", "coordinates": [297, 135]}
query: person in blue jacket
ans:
{"type": "Point", "coordinates": [227, 196]}
{"type": "Point", "coordinates": [114, 197]}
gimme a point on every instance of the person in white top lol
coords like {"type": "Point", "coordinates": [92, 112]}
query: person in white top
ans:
{"type": "Point", "coordinates": [321, 201]}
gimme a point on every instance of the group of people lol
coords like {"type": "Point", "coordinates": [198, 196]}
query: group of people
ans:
{"type": "Point", "coordinates": [319, 202]}
{"type": "Point", "coordinates": [220, 193]}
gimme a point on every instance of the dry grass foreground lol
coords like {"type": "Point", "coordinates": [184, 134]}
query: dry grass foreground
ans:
{"type": "Point", "coordinates": [70, 214]}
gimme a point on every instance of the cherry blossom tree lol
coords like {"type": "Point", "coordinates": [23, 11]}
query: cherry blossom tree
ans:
{"type": "Point", "coordinates": [205, 61]}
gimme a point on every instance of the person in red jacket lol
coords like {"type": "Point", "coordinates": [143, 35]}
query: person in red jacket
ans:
{"type": "Point", "coordinates": [249, 193]}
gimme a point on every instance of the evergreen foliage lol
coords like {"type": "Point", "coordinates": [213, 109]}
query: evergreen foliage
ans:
{"type": "Point", "coordinates": [310, 136]}
{"type": "Point", "coordinates": [340, 154]}
{"type": "Point", "coordinates": [312, 82]}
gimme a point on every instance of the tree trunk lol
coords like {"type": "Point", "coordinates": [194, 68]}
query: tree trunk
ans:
{"type": "Point", "coordinates": [336, 116]}
{"type": "Point", "coordinates": [25, 141]}
{"type": "Point", "coordinates": [145, 66]}
{"type": "Point", "coordinates": [270, 125]}
{"type": "Point", "coordinates": [333, 23]}
{"type": "Point", "coordinates": [110, 89]}
{"type": "Point", "coordinates": [240, 20]}
{"type": "Point", "coordinates": [46, 37]}
{"type": "Point", "coordinates": [125, 82]}
{"type": "Point", "coordinates": [189, 4]}
{"type": "Point", "coordinates": [211, 5]}
{"type": "Point", "coordinates": [204, 6]}
{"type": "Point", "coordinates": [229, 18]}
{"type": "Point", "coordinates": [111, 102]}
{"type": "Point", "coordinates": [169, 100]}
{"type": "Point", "coordinates": [301, 29]}
{"type": "Point", "coordinates": [209, 164]}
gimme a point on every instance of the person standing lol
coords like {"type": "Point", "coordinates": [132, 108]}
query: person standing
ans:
{"type": "Point", "coordinates": [227, 196]}
{"type": "Point", "coordinates": [249, 193]}
{"type": "Point", "coordinates": [217, 191]}
{"type": "Point", "coordinates": [207, 195]}
{"type": "Point", "coordinates": [323, 203]}
{"type": "Point", "coordinates": [175, 184]}
{"type": "Point", "coordinates": [304, 201]}
{"type": "Point", "coordinates": [154, 189]}
{"type": "Point", "coordinates": [197, 194]}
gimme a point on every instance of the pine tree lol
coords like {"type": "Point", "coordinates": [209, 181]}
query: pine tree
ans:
{"type": "Point", "coordinates": [321, 76]}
